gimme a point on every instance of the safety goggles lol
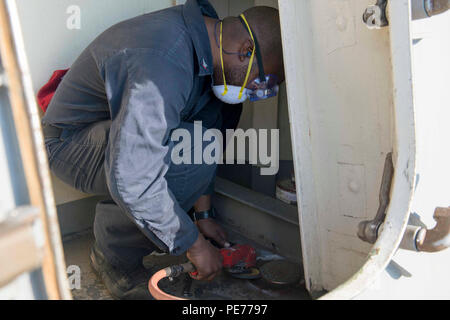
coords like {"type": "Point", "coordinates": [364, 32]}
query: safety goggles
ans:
{"type": "Point", "coordinates": [261, 88]}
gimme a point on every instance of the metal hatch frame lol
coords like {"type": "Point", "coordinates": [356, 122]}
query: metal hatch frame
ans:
{"type": "Point", "coordinates": [404, 153]}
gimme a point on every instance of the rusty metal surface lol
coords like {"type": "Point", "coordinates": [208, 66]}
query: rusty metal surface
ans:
{"type": "Point", "coordinates": [438, 238]}
{"type": "Point", "coordinates": [420, 239]}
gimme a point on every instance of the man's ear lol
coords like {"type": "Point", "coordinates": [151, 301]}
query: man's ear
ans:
{"type": "Point", "coordinates": [246, 50]}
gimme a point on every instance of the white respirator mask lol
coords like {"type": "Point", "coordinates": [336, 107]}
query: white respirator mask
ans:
{"type": "Point", "coordinates": [232, 95]}
{"type": "Point", "coordinates": [261, 88]}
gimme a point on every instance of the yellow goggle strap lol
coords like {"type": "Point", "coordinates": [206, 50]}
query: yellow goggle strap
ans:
{"type": "Point", "coordinates": [251, 58]}
{"type": "Point", "coordinates": [221, 61]}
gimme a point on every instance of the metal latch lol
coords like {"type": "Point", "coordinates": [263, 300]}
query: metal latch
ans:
{"type": "Point", "coordinates": [376, 16]}
{"type": "Point", "coordinates": [368, 230]}
{"type": "Point", "coordinates": [421, 9]}
{"type": "Point", "coordinates": [415, 238]}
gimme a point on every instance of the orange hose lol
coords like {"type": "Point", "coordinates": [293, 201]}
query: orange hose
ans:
{"type": "Point", "coordinates": [155, 291]}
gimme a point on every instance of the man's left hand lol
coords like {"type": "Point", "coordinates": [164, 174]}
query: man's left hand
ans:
{"type": "Point", "coordinates": [210, 229]}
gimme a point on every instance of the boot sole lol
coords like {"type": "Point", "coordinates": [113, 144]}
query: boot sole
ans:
{"type": "Point", "coordinates": [115, 292]}
{"type": "Point", "coordinates": [96, 267]}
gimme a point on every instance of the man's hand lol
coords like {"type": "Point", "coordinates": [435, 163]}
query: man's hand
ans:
{"type": "Point", "coordinates": [210, 229]}
{"type": "Point", "coordinates": [206, 258]}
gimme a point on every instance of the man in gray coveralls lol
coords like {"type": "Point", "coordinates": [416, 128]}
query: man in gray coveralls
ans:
{"type": "Point", "coordinates": [108, 127]}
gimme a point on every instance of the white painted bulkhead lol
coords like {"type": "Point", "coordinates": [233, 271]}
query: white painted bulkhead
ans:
{"type": "Point", "coordinates": [350, 103]}
{"type": "Point", "coordinates": [355, 94]}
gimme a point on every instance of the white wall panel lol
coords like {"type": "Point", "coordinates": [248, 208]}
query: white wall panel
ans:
{"type": "Point", "coordinates": [51, 45]}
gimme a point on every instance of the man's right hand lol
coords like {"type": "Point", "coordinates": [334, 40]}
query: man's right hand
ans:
{"type": "Point", "coordinates": [206, 258]}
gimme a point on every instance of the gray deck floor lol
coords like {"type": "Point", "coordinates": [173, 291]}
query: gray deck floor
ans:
{"type": "Point", "coordinates": [223, 287]}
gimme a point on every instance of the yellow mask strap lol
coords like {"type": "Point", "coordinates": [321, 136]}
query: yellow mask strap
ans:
{"type": "Point", "coordinates": [221, 61]}
{"type": "Point", "coordinates": [251, 58]}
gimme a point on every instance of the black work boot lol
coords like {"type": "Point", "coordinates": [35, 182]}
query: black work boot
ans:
{"type": "Point", "coordinates": [123, 285]}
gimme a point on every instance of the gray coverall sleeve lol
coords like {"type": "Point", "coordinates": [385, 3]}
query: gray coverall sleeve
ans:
{"type": "Point", "coordinates": [146, 92]}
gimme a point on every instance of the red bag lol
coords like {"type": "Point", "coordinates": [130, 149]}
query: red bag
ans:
{"type": "Point", "coordinates": [47, 92]}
